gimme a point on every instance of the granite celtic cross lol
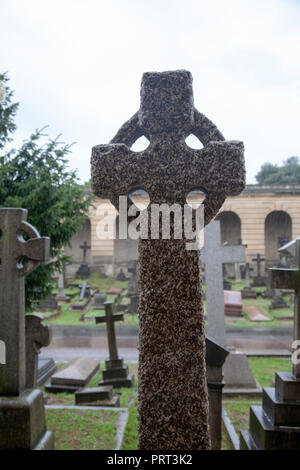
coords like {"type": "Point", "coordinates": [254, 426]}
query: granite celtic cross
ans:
{"type": "Point", "coordinates": [19, 257]}
{"type": "Point", "coordinates": [173, 404]}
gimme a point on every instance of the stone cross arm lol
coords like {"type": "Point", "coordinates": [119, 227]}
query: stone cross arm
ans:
{"type": "Point", "coordinates": [103, 318]}
{"type": "Point", "coordinates": [216, 169]}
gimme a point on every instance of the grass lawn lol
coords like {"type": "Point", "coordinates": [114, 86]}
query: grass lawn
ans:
{"type": "Point", "coordinates": [264, 368]}
{"type": "Point", "coordinates": [82, 429]}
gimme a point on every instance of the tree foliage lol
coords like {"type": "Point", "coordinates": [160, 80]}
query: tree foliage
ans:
{"type": "Point", "coordinates": [36, 177]}
{"type": "Point", "coordinates": [288, 173]}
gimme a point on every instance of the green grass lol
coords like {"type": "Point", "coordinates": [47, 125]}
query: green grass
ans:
{"type": "Point", "coordinates": [238, 411]}
{"type": "Point", "coordinates": [264, 368]}
{"type": "Point", "coordinates": [82, 429]}
{"type": "Point", "coordinates": [130, 441]}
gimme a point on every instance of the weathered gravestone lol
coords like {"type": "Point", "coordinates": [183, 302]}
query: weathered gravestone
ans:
{"type": "Point", "coordinates": [214, 255]}
{"type": "Point", "coordinates": [233, 303]}
{"type": "Point", "coordinates": [115, 372]}
{"type": "Point", "coordinates": [61, 295]}
{"type": "Point", "coordinates": [173, 402]}
{"type": "Point", "coordinates": [133, 289]}
{"type": "Point", "coordinates": [22, 414]}
{"type": "Point", "coordinates": [276, 424]}
{"type": "Point", "coordinates": [49, 304]}
{"type": "Point", "coordinates": [84, 297]}
{"type": "Point", "coordinates": [247, 291]}
{"type": "Point", "coordinates": [258, 280]}
{"type": "Point", "coordinates": [74, 375]}
{"type": "Point", "coordinates": [38, 335]}
{"type": "Point", "coordinates": [121, 276]}
{"type": "Point", "coordinates": [99, 301]}
{"type": "Point", "coordinates": [83, 271]}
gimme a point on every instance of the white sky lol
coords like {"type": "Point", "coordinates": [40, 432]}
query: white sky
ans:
{"type": "Point", "coordinates": [76, 65]}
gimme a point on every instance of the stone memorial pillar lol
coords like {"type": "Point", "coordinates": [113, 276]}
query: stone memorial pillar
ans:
{"type": "Point", "coordinates": [173, 399]}
{"type": "Point", "coordinates": [22, 415]}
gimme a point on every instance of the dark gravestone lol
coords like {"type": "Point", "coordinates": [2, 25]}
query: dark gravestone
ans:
{"type": "Point", "coordinates": [38, 335]}
{"type": "Point", "coordinates": [22, 413]}
{"type": "Point", "coordinates": [99, 301]}
{"type": "Point", "coordinates": [247, 291]}
{"type": "Point", "coordinates": [215, 358]}
{"type": "Point", "coordinates": [276, 424]}
{"type": "Point", "coordinates": [133, 289]}
{"type": "Point", "coordinates": [278, 301]}
{"type": "Point", "coordinates": [83, 271]}
{"type": "Point", "coordinates": [115, 373]}
{"type": "Point", "coordinates": [97, 396]}
{"type": "Point", "coordinates": [258, 280]}
{"type": "Point", "coordinates": [46, 368]}
{"type": "Point", "coordinates": [171, 334]}
{"type": "Point", "coordinates": [121, 276]}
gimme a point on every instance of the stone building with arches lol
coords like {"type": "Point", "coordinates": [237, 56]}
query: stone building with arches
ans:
{"type": "Point", "coordinates": [261, 217]}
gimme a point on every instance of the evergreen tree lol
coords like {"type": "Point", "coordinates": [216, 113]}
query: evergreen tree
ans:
{"type": "Point", "coordinates": [288, 173]}
{"type": "Point", "coordinates": [36, 177]}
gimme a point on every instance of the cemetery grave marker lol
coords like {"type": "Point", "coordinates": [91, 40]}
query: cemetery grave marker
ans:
{"type": "Point", "coordinates": [258, 280]}
{"type": "Point", "coordinates": [83, 271]}
{"type": "Point", "coordinates": [247, 291]}
{"type": "Point", "coordinates": [171, 335]}
{"type": "Point", "coordinates": [38, 335]}
{"type": "Point", "coordinates": [214, 255]}
{"type": "Point", "coordinates": [22, 414]}
{"type": "Point", "coordinates": [73, 376]}
{"type": "Point", "coordinates": [233, 303]}
{"type": "Point", "coordinates": [115, 373]}
{"type": "Point", "coordinates": [275, 424]}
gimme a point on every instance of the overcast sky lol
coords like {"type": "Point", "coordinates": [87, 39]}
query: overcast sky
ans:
{"type": "Point", "coordinates": [76, 65]}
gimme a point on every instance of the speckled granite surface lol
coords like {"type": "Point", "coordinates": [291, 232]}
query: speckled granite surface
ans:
{"type": "Point", "coordinates": [173, 403]}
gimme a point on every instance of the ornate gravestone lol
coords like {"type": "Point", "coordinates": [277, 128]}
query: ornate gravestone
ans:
{"type": "Point", "coordinates": [83, 271]}
{"type": "Point", "coordinates": [22, 414]}
{"type": "Point", "coordinates": [171, 337]}
{"type": "Point", "coordinates": [214, 255]}
{"type": "Point", "coordinates": [115, 373]}
{"type": "Point", "coordinates": [38, 335]}
{"type": "Point", "coordinates": [247, 291]}
{"type": "Point", "coordinates": [276, 424]}
{"type": "Point", "coordinates": [258, 280]}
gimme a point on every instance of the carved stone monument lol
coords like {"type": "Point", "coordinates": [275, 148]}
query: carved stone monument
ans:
{"type": "Point", "coordinates": [276, 424]}
{"type": "Point", "coordinates": [172, 368]}
{"type": "Point", "coordinates": [83, 271]}
{"type": "Point", "coordinates": [214, 255]}
{"type": "Point", "coordinates": [115, 372]}
{"type": "Point", "coordinates": [22, 414]}
{"type": "Point", "coordinates": [38, 335]}
{"type": "Point", "coordinates": [247, 291]}
{"type": "Point", "coordinates": [258, 280]}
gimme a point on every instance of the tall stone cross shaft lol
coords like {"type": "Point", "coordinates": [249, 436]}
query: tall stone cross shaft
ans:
{"type": "Point", "coordinates": [173, 404]}
{"type": "Point", "coordinates": [13, 251]}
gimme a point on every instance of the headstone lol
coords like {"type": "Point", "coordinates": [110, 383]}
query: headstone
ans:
{"type": "Point", "coordinates": [83, 271]}
{"type": "Point", "coordinates": [233, 303]}
{"type": "Point", "coordinates": [73, 376]}
{"type": "Point", "coordinates": [214, 255]}
{"type": "Point", "coordinates": [121, 276]}
{"type": "Point", "coordinates": [84, 297]}
{"type": "Point", "coordinates": [226, 284]}
{"type": "Point", "coordinates": [247, 291]}
{"type": "Point", "coordinates": [237, 272]}
{"type": "Point", "coordinates": [49, 304]}
{"type": "Point", "coordinates": [238, 375]}
{"type": "Point", "coordinates": [115, 372]}
{"type": "Point", "coordinates": [46, 368]}
{"type": "Point", "coordinates": [215, 358]}
{"type": "Point", "coordinates": [61, 295]}
{"type": "Point", "coordinates": [278, 301]}
{"type": "Point", "coordinates": [97, 396]}
{"type": "Point", "coordinates": [22, 414]}
{"type": "Point", "coordinates": [133, 289]}
{"type": "Point", "coordinates": [258, 280]}
{"type": "Point", "coordinates": [171, 331]}
{"type": "Point", "coordinates": [99, 301]}
{"type": "Point", "coordinates": [38, 335]}
{"type": "Point", "coordinates": [256, 314]}
{"type": "Point", "coordinates": [275, 424]}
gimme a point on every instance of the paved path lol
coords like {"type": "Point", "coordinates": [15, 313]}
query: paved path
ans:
{"type": "Point", "coordinates": [67, 348]}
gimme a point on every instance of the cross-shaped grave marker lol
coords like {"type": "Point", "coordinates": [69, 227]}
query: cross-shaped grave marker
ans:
{"type": "Point", "coordinates": [115, 373]}
{"type": "Point", "coordinates": [85, 247]}
{"type": "Point", "coordinates": [214, 255]}
{"type": "Point", "coordinates": [258, 280]}
{"type": "Point", "coordinates": [284, 278]}
{"type": "Point", "coordinates": [18, 258]}
{"type": "Point", "coordinates": [173, 403]}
